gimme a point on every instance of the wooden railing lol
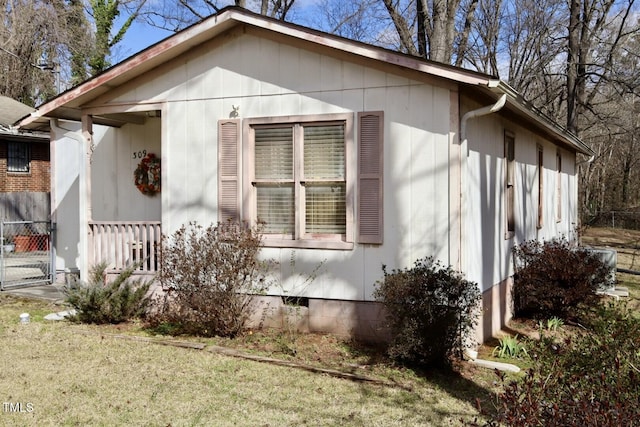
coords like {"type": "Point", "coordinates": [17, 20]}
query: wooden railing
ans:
{"type": "Point", "coordinates": [122, 243]}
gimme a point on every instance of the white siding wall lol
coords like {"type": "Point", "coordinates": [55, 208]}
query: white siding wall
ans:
{"type": "Point", "coordinates": [115, 158]}
{"type": "Point", "coordinates": [265, 78]}
{"type": "Point", "coordinates": [489, 259]}
{"type": "Point", "coordinates": [67, 162]}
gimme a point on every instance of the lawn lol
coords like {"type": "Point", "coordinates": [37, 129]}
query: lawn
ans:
{"type": "Point", "coordinates": [67, 374]}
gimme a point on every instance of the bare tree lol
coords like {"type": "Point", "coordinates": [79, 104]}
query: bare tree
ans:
{"type": "Point", "coordinates": [356, 20]}
{"type": "Point", "coordinates": [597, 31]}
{"type": "Point", "coordinates": [32, 37]}
{"type": "Point", "coordinates": [176, 16]}
{"type": "Point", "coordinates": [433, 28]}
{"type": "Point", "coordinates": [44, 43]}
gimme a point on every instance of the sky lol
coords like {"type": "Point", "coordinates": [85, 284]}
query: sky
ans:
{"type": "Point", "coordinates": [141, 35]}
{"type": "Point", "coordinates": [138, 37]}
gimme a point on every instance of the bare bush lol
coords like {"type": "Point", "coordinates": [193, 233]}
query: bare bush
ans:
{"type": "Point", "coordinates": [209, 276]}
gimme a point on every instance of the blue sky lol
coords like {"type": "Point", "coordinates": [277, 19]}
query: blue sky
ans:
{"type": "Point", "coordinates": [138, 37]}
{"type": "Point", "coordinates": [141, 35]}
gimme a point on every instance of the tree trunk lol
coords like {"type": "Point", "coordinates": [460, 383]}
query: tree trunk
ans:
{"type": "Point", "coordinates": [572, 64]}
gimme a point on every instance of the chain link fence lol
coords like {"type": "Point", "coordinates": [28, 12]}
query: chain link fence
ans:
{"type": "Point", "coordinates": [629, 220]}
{"type": "Point", "coordinates": [25, 254]}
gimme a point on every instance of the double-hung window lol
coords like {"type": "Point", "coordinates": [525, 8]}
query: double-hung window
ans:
{"type": "Point", "coordinates": [299, 178]}
{"type": "Point", "coordinates": [304, 178]}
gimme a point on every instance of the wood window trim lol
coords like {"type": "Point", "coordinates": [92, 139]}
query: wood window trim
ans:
{"type": "Point", "coordinates": [300, 239]}
{"type": "Point", "coordinates": [540, 160]}
{"type": "Point", "coordinates": [509, 184]}
{"type": "Point", "coordinates": [558, 186]}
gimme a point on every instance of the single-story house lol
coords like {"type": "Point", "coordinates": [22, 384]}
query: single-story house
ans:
{"type": "Point", "coordinates": [24, 166]}
{"type": "Point", "coordinates": [352, 155]}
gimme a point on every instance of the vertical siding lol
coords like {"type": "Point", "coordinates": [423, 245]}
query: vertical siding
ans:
{"type": "Point", "coordinates": [67, 158]}
{"type": "Point", "coordinates": [489, 259]}
{"type": "Point", "coordinates": [265, 78]}
{"type": "Point", "coordinates": [114, 195]}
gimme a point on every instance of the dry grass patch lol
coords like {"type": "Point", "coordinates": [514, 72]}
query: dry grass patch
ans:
{"type": "Point", "coordinates": [78, 375]}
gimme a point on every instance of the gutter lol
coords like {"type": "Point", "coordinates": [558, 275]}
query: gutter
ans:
{"type": "Point", "coordinates": [527, 109]}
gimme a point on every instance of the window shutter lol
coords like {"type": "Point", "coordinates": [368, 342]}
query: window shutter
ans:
{"type": "Point", "coordinates": [370, 168]}
{"type": "Point", "coordinates": [229, 170]}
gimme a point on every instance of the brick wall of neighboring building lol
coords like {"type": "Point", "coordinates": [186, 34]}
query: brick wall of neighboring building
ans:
{"type": "Point", "coordinates": [36, 180]}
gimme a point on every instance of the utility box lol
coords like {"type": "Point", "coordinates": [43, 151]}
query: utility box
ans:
{"type": "Point", "coordinates": [610, 258]}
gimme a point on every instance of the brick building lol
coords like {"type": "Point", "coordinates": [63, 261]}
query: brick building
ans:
{"type": "Point", "coordinates": [25, 171]}
{"type": "Point", "coordinates": [24, 164]}
{"type": "Point", "coordinates": [24, 157]}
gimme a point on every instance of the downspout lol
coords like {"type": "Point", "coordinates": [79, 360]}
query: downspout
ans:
{"type": "Point", "coordinates": [464, 154]}
{"type": "Point", "coordinates": [84, 197]}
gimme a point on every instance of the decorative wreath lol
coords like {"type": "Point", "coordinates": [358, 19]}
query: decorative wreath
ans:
{"type": "Point", "coordinates": [147, 175]}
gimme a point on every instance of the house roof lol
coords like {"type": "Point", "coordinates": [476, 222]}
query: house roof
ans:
{"type": "Point", "coordinates": [68, 105]}
{"type": "Point", "coordinates": [11, 111]}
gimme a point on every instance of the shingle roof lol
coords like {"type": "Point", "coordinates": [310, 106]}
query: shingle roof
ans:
{"type": "Point", "coordinates": [11, 111]}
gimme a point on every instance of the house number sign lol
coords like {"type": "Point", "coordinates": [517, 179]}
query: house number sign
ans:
{"type": "Point", "coordinates": [139, 154]}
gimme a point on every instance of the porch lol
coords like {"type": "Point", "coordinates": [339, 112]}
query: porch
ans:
{"type": "Point", "coordinates": [122, 243]}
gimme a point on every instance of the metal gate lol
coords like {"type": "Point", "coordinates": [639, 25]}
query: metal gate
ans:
{"type": "Point", "coordinates": [25, 256]}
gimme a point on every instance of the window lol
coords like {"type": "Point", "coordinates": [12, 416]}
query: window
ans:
{"type": "Point", "coordinates": [510, 163]}
{"type": "Point", "coordinates": [300, 168]}
{"type": "Point", "coordinates": [18, 157]}
{"type": "Point", "coordinates": [298, 178]}
{"type": "Point", "coordinates": [540, 187]}
{"type": "Point", "coordinates": [558, 187]}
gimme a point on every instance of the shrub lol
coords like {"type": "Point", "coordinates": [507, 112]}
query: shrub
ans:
{"type": "Point", "coordinates": [99, 302]}
{"type": "Point", "coordinates": [554, 278]}
{"type": "Point", "coordinates": [430, 311]}
{"type": "Point", "coordinates": [591, 379]}
{"type": "Point", "coordinates": [209, 275]}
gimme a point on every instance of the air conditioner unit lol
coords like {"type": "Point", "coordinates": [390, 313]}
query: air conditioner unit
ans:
{"type": "Point", "coordinates": [610, 258]}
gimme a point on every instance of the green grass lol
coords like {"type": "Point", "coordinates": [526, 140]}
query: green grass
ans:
{"type": "Point", "coordinates": [82, 375]}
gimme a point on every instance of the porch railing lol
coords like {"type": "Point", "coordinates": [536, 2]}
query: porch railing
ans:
{"type": "Point", "coordinates": [122, 243]}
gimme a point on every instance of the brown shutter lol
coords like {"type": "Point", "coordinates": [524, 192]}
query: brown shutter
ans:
{"type": "Point", "coordinates": [229, 170]}
{"type": "Point", "coordinates": [370, 167]}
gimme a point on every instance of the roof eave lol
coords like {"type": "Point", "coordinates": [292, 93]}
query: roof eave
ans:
{"type": "Point", "coordinates": [530, 112]}
{"type": "Point", "coordinates": [73, 100]}
{"type": "Point", "coordinates": [209, 28]}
